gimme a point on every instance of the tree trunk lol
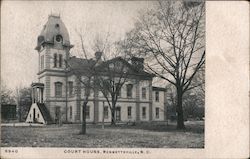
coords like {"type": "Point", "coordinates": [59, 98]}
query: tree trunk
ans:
{"type": "Point", "coordinates": [113, 117]}
{"type": "Point", "coordinates": [180, 119]}
{"type": "Point", "coordinates": [83, 131]}
{"type": "Point", "coordinates": [103, 115]}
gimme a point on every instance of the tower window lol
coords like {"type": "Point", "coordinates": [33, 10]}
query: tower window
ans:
{"type": "Point", "coordinates": [143, 93]}
{"type": "Point", "coordinates": [60, 60]}
{"type": "Point", "coordinates": [157, 96]}
{"type": "Point", "coordinates": [55, 60]}
{"type": "Point", "coordinates": [57, 25]}
{"type": "Point", "coordinates": [58, 89]}
{"type": "Point", "coordinates": [42, 62]}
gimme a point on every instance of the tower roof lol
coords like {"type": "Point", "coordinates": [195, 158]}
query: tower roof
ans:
{"type": "Point", "coordinates": [51, 29]}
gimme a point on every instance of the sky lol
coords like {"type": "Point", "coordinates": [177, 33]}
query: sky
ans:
{"type": "Point", "coordinates": [22, 22]}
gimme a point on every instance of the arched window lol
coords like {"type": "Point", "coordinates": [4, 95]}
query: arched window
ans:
{"type": "Point", "coordinates": [55, 60]}
{"type": "Point", "coordinates": [70, 88]}
{"type": "Point", "coordinates": [129, 90]}
{"type": "Point", "coordinates": [58, 89]}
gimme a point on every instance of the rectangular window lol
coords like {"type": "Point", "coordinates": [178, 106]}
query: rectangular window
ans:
{"type": "Point", "coordinates": [60, 60]}
{"type": "Point", "coordinates": [58, 89]}
{"type": "Point", "coordinates": [119, 93]}
{"type": "Point", "coordinates": [87, 91]}
{"type": "Point", "coordinates": [129, 112]}
{"type": "Point", "coordinates": [118, 113]}
{"type": "Point", "coordinates": [57, 114]}
{"type": "Point", "coordinates": [87, 112]}
{"type": "Point", "coordinates": [157, 110]}
{"type": "Point", "coordinates": [55, 60]}
{"type": "Point", "coordinates": [157, 96]}
{"type": "Point", "coordinates": [70, 88]}
{"type": "Point", "coordinates": [143, 112]}
{"type": "Point", "coordinates": [42, 62]}
{"type": "Point", "coordinates": [129, 90]}
{"type": "Point", "coordinates": [143, 93]}
{"type": "Point", "coordinates": [70, 112]}
{"type": "Point", "coordinates": [118, 87]}
{"type": "Point", "coordinates": [106, 112]}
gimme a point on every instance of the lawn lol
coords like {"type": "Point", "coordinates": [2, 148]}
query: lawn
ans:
{"type": "Point", "coordinates": [121, 136]}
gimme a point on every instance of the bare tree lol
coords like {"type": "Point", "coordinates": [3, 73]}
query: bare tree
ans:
{"type": "Point", "coordinates": [199, 83]}
{"type": "Point", "coordinates": [7, 96]}
{"type": "Point", "coordinates": [83, 69]}
{"type": "Point", "coordinates": [193, 100]}
{"type": "Point", "coordinates": [90, 73]}
{"type": "Point", "coordinates": [110, 78]}
{"type": "Point", "coordinates": [23, 101]}
{"type": "Point", "coordinates": [102, 43]}
{"type": "Point", "coordinates": [171, 37]}
{"type": "Point", "coordinates": [111, 73]}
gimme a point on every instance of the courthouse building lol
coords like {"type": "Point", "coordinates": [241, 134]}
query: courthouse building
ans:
{"type": "Point", "coordinates": [58, 94]}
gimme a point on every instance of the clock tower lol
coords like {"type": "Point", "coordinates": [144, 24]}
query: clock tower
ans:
{"type": "Point", "coordinates": [53, 46]}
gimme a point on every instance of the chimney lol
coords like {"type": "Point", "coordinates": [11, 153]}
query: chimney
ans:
{"type": "Point", "coordinates": [138, 63]}
{"type": "Point", "coordinates": [98, 55]}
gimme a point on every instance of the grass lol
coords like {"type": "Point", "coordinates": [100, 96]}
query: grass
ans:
{"type": "Point", "coordinates": [145, 135]}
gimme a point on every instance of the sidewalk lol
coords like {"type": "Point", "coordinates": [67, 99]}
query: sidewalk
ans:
{"type": "Point", "coordinates": [21, 124]}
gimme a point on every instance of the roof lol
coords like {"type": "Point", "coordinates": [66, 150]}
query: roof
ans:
{"type": "Point", "coordinates": [53, 27]}
{"type": "Point", "coordinates": [83, 65]}
{"type": "Point", "coordinates": [37, 84]}
{"type": "Point", "coordinates": [159, 89]}
{"type": "Point", "coordinates": [79, 64]}
{"type": "Point", "coordinates": [132, 69]}
{"type": "Point", "coordinates": [45, 112]}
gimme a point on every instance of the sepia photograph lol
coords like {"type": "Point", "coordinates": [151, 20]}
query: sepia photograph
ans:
{"type": "Point", "coordinates": [103, 74]}
{"type": "Point", "coordinates": [108, 74]}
